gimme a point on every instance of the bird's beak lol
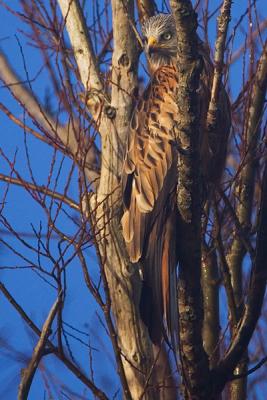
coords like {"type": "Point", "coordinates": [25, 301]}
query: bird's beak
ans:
{"type": "Point", "coordinates": [151, 42]}
{"type": "Point", "coordinates": [151, 45]}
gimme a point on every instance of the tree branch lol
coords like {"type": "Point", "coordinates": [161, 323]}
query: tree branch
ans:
{"type": "Point", "coordinates": [245, 188]}
{"type": "Point", "coordinates": [210, 287]}
{"type": "Point", "coordinates": [250, 371]}
{"type": "Point", "coordinates": [223, 22]}
{"type": "Point", "coordinates": [146, 8]}
{"type": "Point", "coordinates": [81, 45]}
{"type": "Point", "coordinates": [29, 372]}
{"type": "Point", "coordinates": [123, 279]}
{"type": "Point", "coordinates": [53, 130]}
{"type": "Point", "coordinates": [40, 189]}
{"type": "Point", "coordinates": [256, 294]}
{"type": "Point", "coordinates": [69, 364]}
{"type": "Point", "coordinates": [193, 357]}
{"type": "Point", "coordinates": [252, 310]}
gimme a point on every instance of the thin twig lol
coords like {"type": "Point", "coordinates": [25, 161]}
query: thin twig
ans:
{"type": "Point", "coordinates": [40, 189]}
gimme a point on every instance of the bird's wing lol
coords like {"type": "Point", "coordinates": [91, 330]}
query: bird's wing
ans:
{"type": "Point", "coordinates": [149, 180]}
{"type": "Point", "coordinates": [149, 157]}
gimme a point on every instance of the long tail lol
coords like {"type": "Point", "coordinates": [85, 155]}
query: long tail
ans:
{"type": "Point", "coordinates": [158, 305]}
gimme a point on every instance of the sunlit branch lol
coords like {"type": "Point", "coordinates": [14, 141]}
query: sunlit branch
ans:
{"type": "Point", "coordinates": [83, 52]}
{"type": "Point", "coordinates": [40, 189]}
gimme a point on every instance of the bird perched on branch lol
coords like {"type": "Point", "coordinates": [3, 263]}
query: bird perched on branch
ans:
{"type": "Point", "coordinates": [149, 176]}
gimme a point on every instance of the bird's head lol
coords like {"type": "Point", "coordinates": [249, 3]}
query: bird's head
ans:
{"type": "Point", "coordinates": [160, 40]}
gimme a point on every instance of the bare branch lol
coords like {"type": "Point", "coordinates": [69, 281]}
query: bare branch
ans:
{"type": "Point", "coordinates": [237, 54]}
{"type": "Point", "coordinates": [245, 187]}
{"type": "Point", "coordinates": [243, 333]}
{"type": "Point", "coordinates": [225, 270]}
{"type": "Point", "coordinates": [251, 370]}
{"type": "Point", "coordinates": [189, 68]}
{"type": "Point", "coordinates": [210, 287]}
{"type": "Point", "coordinates": [255, 298]}
{"type": "Point", "coordinates": [146, 8]}
{"type": "Point", "coordinates": [223, 22]}
{"type": "Point", "coordinates": [27, 128]}
{"type": "Point", "coordinates": [60, 134]}
{"type": "Point", "coordinates": [69, 364]}
{"type": "Point", "coordinates": [81, 44]}
{"type": "Point", "coordinates": [40, 189]}
{"type": "Point", "coordinates": [39, 350]}
{"type": "Point", "coordinates": [124, 67]}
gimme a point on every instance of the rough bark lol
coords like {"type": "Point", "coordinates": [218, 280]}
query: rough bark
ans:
{"type": "Point", "coordinates": [123, 278]}
{"type": "Point", "coordinates": [193, 357]}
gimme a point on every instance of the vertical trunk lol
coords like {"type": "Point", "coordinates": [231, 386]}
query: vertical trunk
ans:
{"type": "Point", "coordinates": [194, 361]}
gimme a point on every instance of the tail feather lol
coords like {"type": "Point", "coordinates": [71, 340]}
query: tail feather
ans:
{"type": "Point", "coordinates": [158, 305]}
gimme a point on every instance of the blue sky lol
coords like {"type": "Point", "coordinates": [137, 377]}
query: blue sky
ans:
{"type": "Point", "coordinates": [29, 290]}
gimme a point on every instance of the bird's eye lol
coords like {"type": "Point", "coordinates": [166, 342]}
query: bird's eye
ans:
{"type": "Point", "coordinates": [166, 36]}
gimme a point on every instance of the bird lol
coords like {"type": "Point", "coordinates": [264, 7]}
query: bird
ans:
{"type": "Point", "coordinates": [150, 220]}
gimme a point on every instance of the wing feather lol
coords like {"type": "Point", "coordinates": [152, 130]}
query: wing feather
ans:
{"type": "Point", "coordinates": [149, 155]}
{"type": "Point", "coordinates": [149, 179]}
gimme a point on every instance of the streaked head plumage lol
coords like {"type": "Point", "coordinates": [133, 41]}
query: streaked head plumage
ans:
{"type": "Point", "coordinates": [160, 40]}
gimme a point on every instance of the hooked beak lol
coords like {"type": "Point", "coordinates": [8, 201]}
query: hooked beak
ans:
{"type": "Point", "coordinates": [152, 41]}
{"type": "Point", "coordinates": [151, 44]}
